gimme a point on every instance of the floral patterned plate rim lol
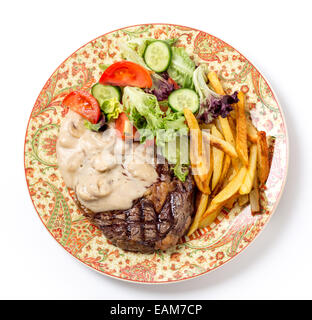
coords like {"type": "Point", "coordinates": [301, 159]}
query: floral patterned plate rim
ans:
{"type": "Point", "coordinates": [208, 248]}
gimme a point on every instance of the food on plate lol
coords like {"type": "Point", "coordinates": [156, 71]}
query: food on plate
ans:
{"type": "Point", "coordinates": [83, 103]}
{"type": "Point", "coordinates": [126, 73]}
{"type": "Point", "coordinates": [231, 188]}
{"type": "Point", "coordinates": [198, 157]}
{"type": "Point", "coordinates": [243, 199]}
{"type": "Point", "coordinates": [263, 157]}
{"type": "Point", "coordinates": [251, 171]}
{"type": "Point", "coordinates": [251, 132]}
{"type": "Point", "coordinates": [218, 142]}
{"type": "Point", "coordinates": [254, 198]}
{"type": "Point", "coordinates": [157, 56]}
{"type": "Point", "coordinates": [241, 130]}
{"type": "Point", "coordinates": [152, 135]}
{"type": "Point", "coordinates": [157, 220]}
{"type": "Point", "coordinates": [201, 207]}
{"type": "Point", "coordinates": [218, 156]}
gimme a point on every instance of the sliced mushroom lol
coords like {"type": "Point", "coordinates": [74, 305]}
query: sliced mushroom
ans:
{"type": "Point", "coordinates": [104, 161]}
{"type": "Point", "coordinates": [99, 187]}
{"type": "Point", "coordinates": [66, 140]}
{"type": "Point", "coordinates": [83, 193]}
{"type": "Point", "coordinates": [75, 161]}
{"type": "Point", "coordinates": [76, 128]}
{"type": "Point", "coordinates": [141, 170]}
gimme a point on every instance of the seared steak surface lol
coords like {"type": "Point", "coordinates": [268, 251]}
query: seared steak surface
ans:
{"type": "Point", "coordinates": [155, 221]}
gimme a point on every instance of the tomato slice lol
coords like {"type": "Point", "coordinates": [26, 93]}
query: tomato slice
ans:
{"type": "Point", "coordinates": [83, 103]}
{"type": "Point", "coordinates": [124, 127]}
{"type": "Point", "coordinates": [126, 73]}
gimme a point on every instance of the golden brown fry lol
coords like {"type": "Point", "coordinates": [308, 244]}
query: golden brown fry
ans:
{"type": "Point", "coordinates": [225, 169]}
{"type": "Point", "coordinates": [263, 157]}
{"type": "Point", "coordinates": [215, 83]}
{"type": "Point", "coordinates": [251, 171]}
{"type": "Point", "coordinates": [226, 130]}
{"type": "Point", "coordinates": [218, 125]}
{"type": "Point", "coordinates": [231, 188]}
{"type": "Point", "coordinates": [209, 218]}
{"type": "Point", "coordinates": [232, 123]}
{"type": "Point", "coordinates": [200, 185]}
{"type": "Point", "coordinates": [243, 199]}
{"type": "Point", "coordinates": [254, 197]}
{"type": "Point", "coordinates": [230, 202]}
{"type": "Point", "coordinates": [251, 132]}
{"type": "Point", "coordinates": [213, 207]}
{"type": "Point", "coordinates": [211, 166]}
{"type": "Point", "coordinates": [197, 153]}
{"type": "Point", "coordinates": [241, 130]}
{"type": "Point", "coordinates": [219, 143]}
{"type": "Point", "coordinates": [254, 201]}
{"type": "Point", "coordinates": [218, 156]}
{"type": "Point", "coordinates": [200, 211]}
{"type": "Point", "coordinates": [205, 126]}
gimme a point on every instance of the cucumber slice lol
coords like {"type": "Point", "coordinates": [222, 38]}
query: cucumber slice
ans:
{"type": "Point", "coordinates": [157, 56]}
{"type": "Point", "coordinates": [102, 92]}
{"type": "Point", "coordinates": [184, 98]}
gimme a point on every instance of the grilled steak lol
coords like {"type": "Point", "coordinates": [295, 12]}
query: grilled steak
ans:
{"type": "Point", "coordinates": [155, 221]}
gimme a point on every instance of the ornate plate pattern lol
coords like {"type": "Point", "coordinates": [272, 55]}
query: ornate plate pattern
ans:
{"type": "Point", "coordinates": [208, 248]}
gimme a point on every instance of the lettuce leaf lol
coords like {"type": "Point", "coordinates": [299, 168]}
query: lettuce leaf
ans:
{"type": "Point", "coordinates": [181, 68]}
{"type": "Point", "coordinates": [142, 106]}
{"type": "Point", "coordinates": [181, 171]}
{"type": "Point", "coordinates": [100, 126]}
{"type": "Point", "coordinates": [111, 108]}
{"type": "Point", "coordinates": [130, 54]}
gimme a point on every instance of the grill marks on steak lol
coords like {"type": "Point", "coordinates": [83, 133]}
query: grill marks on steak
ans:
{"type": "Point", "coordinates": [155, 221]}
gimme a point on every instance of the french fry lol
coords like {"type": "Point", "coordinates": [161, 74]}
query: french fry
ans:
{"type": "Point", "coordinates": [215, 83]}
{"type": "Point", "coordinates": [251, 132]}
{"type": "Point", "coordinates": [209, 218]}
{"type": "Point", "coordinates": [206, 126]}
{"type": "Point", "coordinates": [231, 188]}
{"type": "Point", "coordinates": [200, 185]}
{"type": "Point", "coordinates": [232, 126]}
{"type": "Point", "coordinates": [241, 130]}
{"type": "Point", "coordinates": [197, 153]}
{"type": "Point", "coordinates": [225, 169]}
{"type": "Point", "coordinates": [263, 157]}
{"type": "Point", "coordinates": [202, 206]}
{"type": "Point", "coordinates": [243, 199]}
{"type": "Point", "coordinates": [218, 125]}
{"type": "Point", "coordinates": [251, 171]}
{"type": "Point", "coordinates": [211, 163]}
{"type": "Point", "coordinates": [271, 146]}
{"type": "Point", "coordinates": [254, 197]}
{"type": "Point", "coordinates": [230, 202]}
{"type": "Point", "coordinates": [219, 143]}
{"type": "Point", "coordinates": [254, 201]}
{"type": "Point", "coordinates": [212, 208]}
{"type": "Point", "coordinates": [226, 130]}
{"type": "Point", "coordinates": [218, 156]}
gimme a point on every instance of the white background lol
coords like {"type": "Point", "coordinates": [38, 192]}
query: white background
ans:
{"type": "Point", "coordinates": [36, 36]}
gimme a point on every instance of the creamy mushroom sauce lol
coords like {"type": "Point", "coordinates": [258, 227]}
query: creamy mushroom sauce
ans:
{"type": "Point", "coordinates": [105, 172]}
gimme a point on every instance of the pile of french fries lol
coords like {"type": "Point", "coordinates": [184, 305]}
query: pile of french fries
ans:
{"type": "Point", "coordinates": [229, 163]}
